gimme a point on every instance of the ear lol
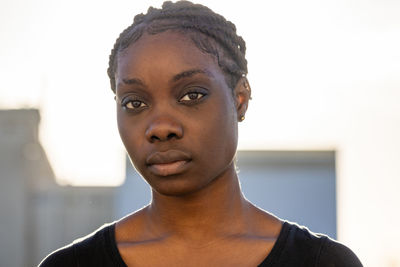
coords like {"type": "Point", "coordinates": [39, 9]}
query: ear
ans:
{"type": "Point", "coordinates": [242, 95]}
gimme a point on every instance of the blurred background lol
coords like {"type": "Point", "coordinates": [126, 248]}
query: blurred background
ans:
{"type": "Point", "coordinates": [320, 144]}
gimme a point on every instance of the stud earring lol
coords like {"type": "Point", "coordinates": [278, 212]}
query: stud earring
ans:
{"type": "Point", "coordinates": [241, 118]}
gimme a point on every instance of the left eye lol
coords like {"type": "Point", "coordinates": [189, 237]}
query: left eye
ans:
{"type": "Point", "coordinates": [191, 96]}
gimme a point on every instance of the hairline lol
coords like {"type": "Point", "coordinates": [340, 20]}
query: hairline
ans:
{"type": "Point", "coordinates": [143, 28]}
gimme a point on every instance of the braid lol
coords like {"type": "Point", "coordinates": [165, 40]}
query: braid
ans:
{"type": "Point", "coordinates": [217, 36]}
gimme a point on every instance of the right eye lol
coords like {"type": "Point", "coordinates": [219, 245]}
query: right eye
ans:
{"type": "Point", "coordinates": [132, 104]}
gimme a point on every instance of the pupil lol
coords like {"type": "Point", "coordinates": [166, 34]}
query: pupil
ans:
{"type": "Point", "coordinates": [136, 104]}
{"type": "Point", "coordinates": [193, 96]}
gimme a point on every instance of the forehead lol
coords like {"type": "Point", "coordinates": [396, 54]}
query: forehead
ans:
{"type": "Point", "coordinates": [165, 53]}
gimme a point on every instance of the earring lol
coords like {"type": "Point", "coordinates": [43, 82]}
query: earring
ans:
{"type": "Point", "coordinates": [241, 118]}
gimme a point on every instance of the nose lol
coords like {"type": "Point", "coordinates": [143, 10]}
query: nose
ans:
{"type": "Point", "coordinates": [163, 129]}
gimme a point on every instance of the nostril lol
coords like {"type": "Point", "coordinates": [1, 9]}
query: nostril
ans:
{"type": "Point", "coordinates": [163, 129]}
{"type": "Point", "coordinates": [161, 138]}
{"type": "Point", "coordinates": [171, 135]}
{"type": "Point", "coordinates": [154, 138]}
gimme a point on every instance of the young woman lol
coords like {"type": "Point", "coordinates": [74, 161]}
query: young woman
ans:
{"type": "Point", "coordinates": [179, 78]}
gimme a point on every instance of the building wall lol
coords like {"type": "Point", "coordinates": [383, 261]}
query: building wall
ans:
{"type": "Point", "coordinates": [18, 140]}
{"type": "Point", "coordinates": [38, 216]}
{"type": "Point", "coordinates": [298, 186]}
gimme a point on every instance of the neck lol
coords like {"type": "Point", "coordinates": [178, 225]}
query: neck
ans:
{"type": "Point", "coordinates": [203, 214]}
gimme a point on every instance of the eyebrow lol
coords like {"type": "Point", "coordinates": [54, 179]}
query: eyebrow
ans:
{"type": "Point", "coordinates": [177, 77]}
{"type": "Point", "coordinates": [133, 81]}
{"type": "Point", "coordinates": [190, 73]}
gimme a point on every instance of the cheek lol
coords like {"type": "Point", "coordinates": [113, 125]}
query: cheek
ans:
{"type": "Point", "coordinates": [129, 133]}
{"type": "Point", "coordinates": [123, 127]}
{"type": "Point", "coordinates": [228, 118]}
{"type": "Point", "coordinates": [219, 137]}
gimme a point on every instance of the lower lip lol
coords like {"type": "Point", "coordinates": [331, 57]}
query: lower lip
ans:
{"type": "Point", "coordinates": [168, 168]}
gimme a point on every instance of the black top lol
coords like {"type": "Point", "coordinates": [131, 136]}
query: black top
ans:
{"type": "Point", "coordinates": [295, 246]}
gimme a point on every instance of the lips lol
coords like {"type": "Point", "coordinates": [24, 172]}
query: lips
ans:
{"type": "Point", "coordinates": [168, 163]}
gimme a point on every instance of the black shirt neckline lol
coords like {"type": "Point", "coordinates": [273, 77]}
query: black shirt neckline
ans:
{"type": "Point", "coordinates": [272, 257]}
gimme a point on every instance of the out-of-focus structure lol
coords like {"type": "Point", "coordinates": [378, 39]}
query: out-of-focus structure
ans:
{"type": "Point", "coordinates": [36, 214]}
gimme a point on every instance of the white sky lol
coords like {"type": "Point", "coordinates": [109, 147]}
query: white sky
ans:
{"type": "Point", "coordinates": [324, 74]}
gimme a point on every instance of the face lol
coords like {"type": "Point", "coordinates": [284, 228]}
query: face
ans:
{"type": "Point", "coordinates": [176, 115]}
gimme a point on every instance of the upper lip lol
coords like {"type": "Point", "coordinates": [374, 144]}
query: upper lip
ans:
{"type": "Point", "coordinates": [165, 157]}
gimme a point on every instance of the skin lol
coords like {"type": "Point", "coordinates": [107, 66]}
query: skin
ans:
{"type": "Point", "coordinates": [178, 120]}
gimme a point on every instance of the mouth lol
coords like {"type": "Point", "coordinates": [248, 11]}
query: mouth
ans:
{"type": "Point", "coordinates": [167, 169]}
{"type": "Point", "coordinates": [168, 163]}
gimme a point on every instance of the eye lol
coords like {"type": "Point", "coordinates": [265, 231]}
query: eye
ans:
{"type": "Point", "coordinates": [192, 96]}
{"type": "Point", "coordinates": [132, 104]}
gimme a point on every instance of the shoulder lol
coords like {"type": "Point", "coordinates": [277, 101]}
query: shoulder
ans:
{"type": "Point", "coordinates": [305, 248]}
{"type": "Point", "coordinates": [83, 249]}
{"type": "Point", "coordinates": [61, 257]}
{"type": "Point", "coordinates": [334, 253]}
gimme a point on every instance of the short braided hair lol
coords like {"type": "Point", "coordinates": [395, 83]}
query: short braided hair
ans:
{"type": "Point", "coordinates": [210, 32]}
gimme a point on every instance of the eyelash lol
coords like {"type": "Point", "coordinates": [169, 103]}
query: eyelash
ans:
{"type": "Point", "coordinates": [129, 101]}
{"type": "Point", "coordinates": [198, 95]}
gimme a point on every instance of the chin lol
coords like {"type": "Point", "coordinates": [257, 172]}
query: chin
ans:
{"type": "Point", "coordinates": [173, 187]}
